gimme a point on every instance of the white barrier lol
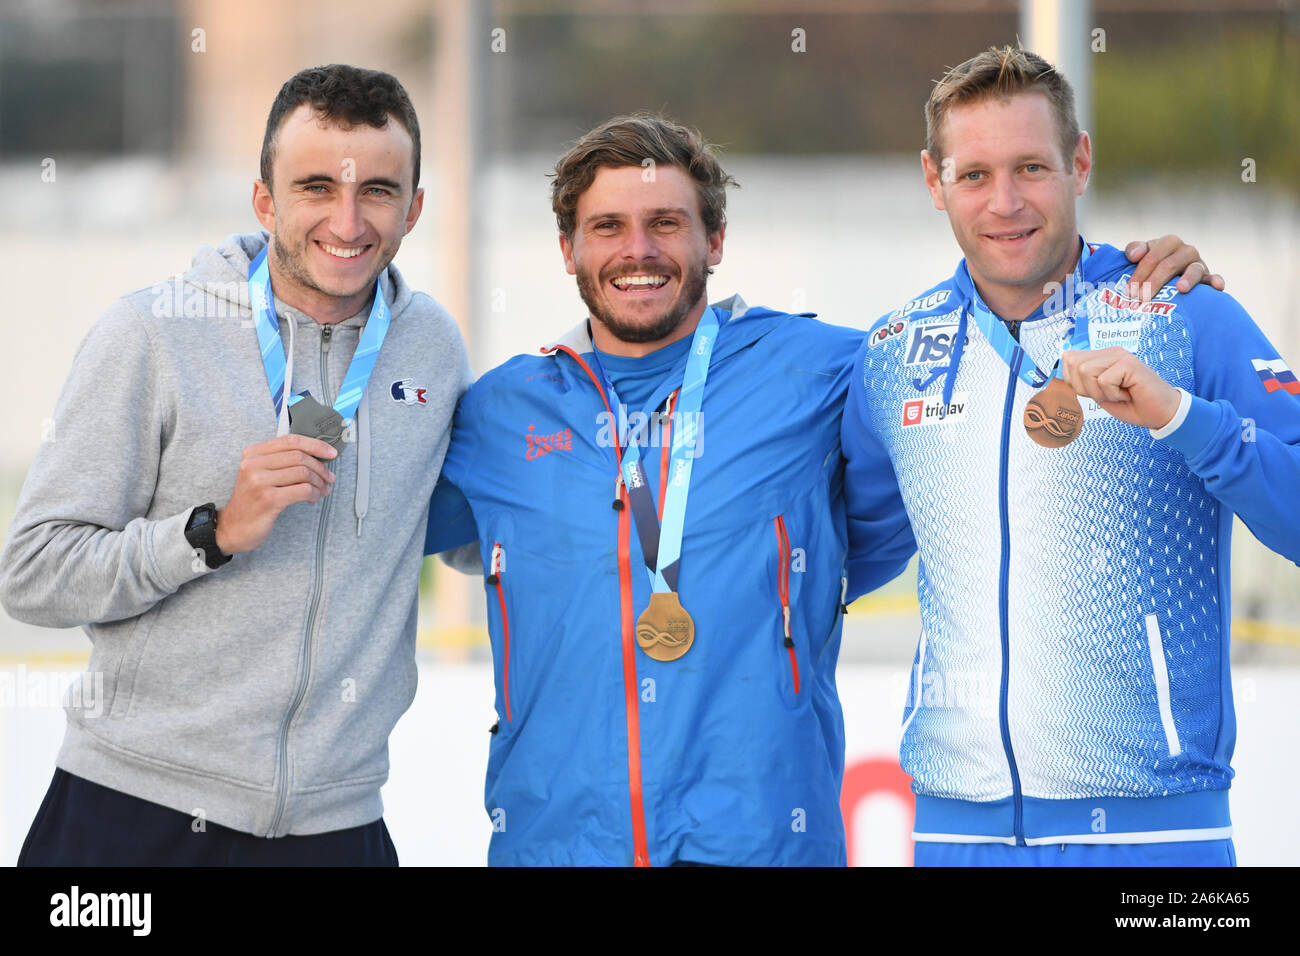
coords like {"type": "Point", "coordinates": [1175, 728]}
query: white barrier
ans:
{"type": "Point", "coordinates": [434, 797]}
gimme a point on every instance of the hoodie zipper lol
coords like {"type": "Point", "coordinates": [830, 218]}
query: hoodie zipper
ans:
{"type": "Point", "coordinates": [494, 578]}
{"type": "Point", "coordinates": [783, 590]}
{"type": "Point", "coordinates": [631, 699]}
{"type": "Point", "coordinates": [304, 657]}
{"type": "Point", "coordinates": [1004, 587]}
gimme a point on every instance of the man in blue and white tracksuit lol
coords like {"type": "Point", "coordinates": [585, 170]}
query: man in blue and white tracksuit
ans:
{"type": "Point", "coordinates": [1070, 699]}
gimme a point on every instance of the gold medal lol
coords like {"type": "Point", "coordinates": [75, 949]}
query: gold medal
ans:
{"type": "Point", "coordinates": [664, 630]}
{"type": "Point", "coordinates": [1053, 417]}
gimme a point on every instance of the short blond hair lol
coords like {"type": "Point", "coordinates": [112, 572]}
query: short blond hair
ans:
{"type": "Point", "coordinates": [1001, 72]}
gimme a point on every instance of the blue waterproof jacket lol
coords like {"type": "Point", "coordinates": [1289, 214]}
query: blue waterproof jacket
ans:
{"type": "Point", "coordinates": [734, 753]}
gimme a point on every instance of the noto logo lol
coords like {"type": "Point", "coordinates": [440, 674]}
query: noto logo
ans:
{"type": "Point", "coordinates": [888, 331]}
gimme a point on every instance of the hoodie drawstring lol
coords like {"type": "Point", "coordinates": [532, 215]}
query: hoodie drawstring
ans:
{"type": "Point", "coordinates": [958, 347]}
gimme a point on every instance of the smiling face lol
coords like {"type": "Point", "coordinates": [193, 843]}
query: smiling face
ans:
{"type": "Point", "coordinates": [1009, 195]}
{"type": "Point", "coordinates": [341, 202]}
{"type": "Point", "coordinates": [641, 255]}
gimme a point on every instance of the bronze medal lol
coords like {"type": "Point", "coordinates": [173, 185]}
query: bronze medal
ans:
{"type": "Point", "coordinates": [1053, 417]}
{"type": "Point", "coordinates": [664, 630]}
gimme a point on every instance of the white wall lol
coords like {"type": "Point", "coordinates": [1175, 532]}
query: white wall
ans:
{"type": "Point", "coordinates": [434, 798]}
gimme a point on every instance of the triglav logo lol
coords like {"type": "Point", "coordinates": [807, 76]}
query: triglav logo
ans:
{"type": "Point", "coordinates": [933, 411]}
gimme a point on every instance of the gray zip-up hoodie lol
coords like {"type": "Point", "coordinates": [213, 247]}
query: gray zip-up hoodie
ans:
{"type": "Point", "coordinates": [259, 695]}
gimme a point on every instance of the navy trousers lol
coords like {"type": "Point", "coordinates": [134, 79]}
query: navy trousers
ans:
{"type": "Point", "coordinates": [84, 824]}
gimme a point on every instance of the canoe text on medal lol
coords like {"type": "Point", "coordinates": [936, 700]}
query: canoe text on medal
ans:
{"type": "Point", "coordinates": [1053, 417]}
{"type": "Point", "coordinates": [664, 630]}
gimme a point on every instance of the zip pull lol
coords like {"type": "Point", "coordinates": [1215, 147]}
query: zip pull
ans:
{"type": "Point", "coordinates": [498, 564]}
{"type": "Point", "coordinates": [325, 336]}
{"type": "Point", "coordinates": [785, 614]}
{"type": "Point", "coordinates": [618, 492]}
{"type": "Point", "coordinates": [844, 594]}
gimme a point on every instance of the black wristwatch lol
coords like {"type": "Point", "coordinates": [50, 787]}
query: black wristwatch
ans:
{"type": "Point", "coordinates": [201, 533]}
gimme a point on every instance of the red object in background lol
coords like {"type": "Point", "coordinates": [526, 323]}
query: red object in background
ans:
{"type": "Point", "coordinates": [866, 778]}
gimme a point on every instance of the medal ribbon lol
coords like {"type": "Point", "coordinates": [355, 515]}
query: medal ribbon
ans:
{"type": "Point", "coordinates": [662, 548]}
{"type": "Point", "coordinates": [273, 357]}
{"type": "Point", "coordinates": [995, 331]}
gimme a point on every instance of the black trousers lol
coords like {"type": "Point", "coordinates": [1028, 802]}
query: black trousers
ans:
{"type": "Point", "coordinates": [84, 824]}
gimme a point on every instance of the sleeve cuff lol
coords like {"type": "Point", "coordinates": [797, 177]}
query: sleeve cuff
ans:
{"type": "Point", "coordinates": [174, 559]}
{"type": "Point", "coordinates": [1184, 406]}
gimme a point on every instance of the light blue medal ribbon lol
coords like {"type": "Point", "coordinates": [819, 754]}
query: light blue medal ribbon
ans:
{"type": "Point", "coordinates": [272, 348]}
{"type": "Point", "coordinates": [995, 332]}
{"type": "Point", "coordinates": [662, 545]}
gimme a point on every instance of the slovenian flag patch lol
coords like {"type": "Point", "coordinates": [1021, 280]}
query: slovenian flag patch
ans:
{"type": "Point", "coordinates": [1276, 374]}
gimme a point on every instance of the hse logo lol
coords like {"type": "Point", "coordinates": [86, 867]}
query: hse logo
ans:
{"type": "Point", "coordinates": [539, 445]}
{"type": "Point", "coordinates": [406, 393]}
{"type": "Point", "coordinates": [931, 343]}
{"type": "Point", "coordinates": [890, 330]}
{"type": "Point", "coordinates": [933, 411]}
{"type": "Point", "coordinates": [923, 304]}
{"type": "Point", "coordinates": [1116, 301]}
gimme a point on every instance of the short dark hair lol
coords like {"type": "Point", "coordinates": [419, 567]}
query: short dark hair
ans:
{"type": "Point", "coordinates": [1001, 72]}
{"type": "Point", "coordinates": [346, 95]}
{"type": "Point", "coordinates": [630, 141]}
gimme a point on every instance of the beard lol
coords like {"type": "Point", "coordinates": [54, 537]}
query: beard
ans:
{"type": "Point", "coordinates": [660, 327]}
{"type": "Point", "coordinates": [292, 262]}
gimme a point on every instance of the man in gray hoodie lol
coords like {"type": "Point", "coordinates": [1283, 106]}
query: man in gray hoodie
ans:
{"type": "Point", "coordinates": [234, 510]}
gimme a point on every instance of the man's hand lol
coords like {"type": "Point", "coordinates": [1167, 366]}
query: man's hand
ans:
{"type": "Point", "coordinates": [273, 475]}
{"type": "Point", "coordinates": [1122, 384]}
{"type": "Point", "coordinates": [1160, 260]}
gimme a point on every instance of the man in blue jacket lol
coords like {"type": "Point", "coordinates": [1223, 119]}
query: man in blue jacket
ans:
{"type": "Point", "coordinates": [664, 673]}
{"type": "Point", "coordinates": [1069, 460]}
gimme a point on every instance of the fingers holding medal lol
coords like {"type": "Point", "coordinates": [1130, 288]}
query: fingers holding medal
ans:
{"type": "Point", "coordinates": [1122, 384]}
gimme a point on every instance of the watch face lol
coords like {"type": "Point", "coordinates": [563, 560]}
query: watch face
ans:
{"type": "Point", "coordinates": [199, 519]}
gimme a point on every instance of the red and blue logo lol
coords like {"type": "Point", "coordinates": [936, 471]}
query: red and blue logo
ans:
{"type": "Point", "coordinates": [406, 393]}
{"type": "Point", "coordinates": [1276, 376]}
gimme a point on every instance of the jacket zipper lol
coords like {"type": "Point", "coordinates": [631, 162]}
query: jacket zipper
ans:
{"type": "Point", "coordinates": [498, 568]}
{"type": "Point", "coordinates": [783, 589]}
{"type": "Point", "coordinates": [1004, 587]}
{"type": "Point", "coordinates": [640, 849]}
{"type": "Point", "coordinates": [304, 658]}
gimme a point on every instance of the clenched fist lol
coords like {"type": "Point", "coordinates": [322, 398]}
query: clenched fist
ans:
{"type": "Point", "coordinates": [1122, 384]}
